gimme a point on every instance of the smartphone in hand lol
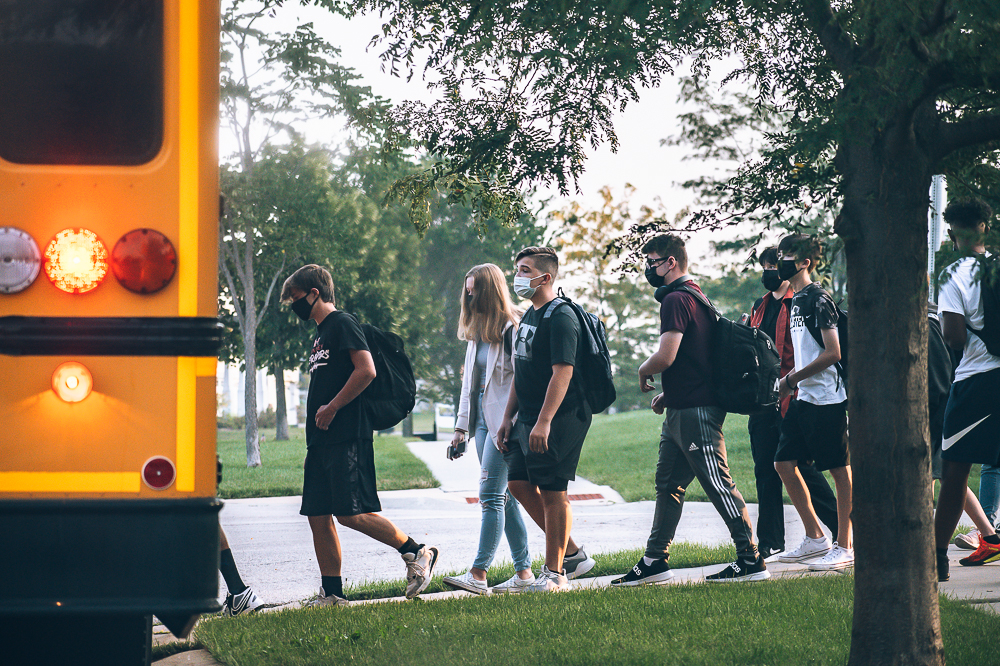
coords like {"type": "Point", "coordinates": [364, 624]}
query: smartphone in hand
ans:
{"type": "Point", "coordinates": [456, 450]}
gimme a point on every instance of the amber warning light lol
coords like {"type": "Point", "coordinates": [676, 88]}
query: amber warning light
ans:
{"type": "Point", "coordinates": [72, 382]}
{"type": "Point", "coordinates": [76, 261]}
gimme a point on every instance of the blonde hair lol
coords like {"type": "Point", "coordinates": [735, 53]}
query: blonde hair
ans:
{"type": "Point", "coordinates": [485, 315]}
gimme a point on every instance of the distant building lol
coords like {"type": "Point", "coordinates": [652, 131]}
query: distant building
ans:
{"type": "Point", "coordinates": [231, 383]}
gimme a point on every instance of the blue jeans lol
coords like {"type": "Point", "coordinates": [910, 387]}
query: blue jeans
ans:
{"type": "Point", "coordinates": [501, 512]}
{"type": "Point", "coordinates": [989, 491]}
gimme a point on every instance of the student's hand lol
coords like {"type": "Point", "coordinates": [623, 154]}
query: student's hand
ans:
{"type": "Point", "coordinates": [657, 404]}
{"type": "Point", "coordinates": [538, 440]}
{"type": "Point", "coordinates": [785, 387]}
{"type": "Point", "coordinates": [325, 416]}
{"type": "Point", "coordinates": [646, 383]}
{"type": "Point", "coordinates": [453, 449]}
{"type": "Point", "coordinates": [503, 433]}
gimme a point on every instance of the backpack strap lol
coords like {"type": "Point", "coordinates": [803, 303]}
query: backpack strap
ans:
{"type": "Point", "coordinates": [701, 298]}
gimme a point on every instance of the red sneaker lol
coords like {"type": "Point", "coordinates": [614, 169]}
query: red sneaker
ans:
{"type": "Point", "coordinates": [987, 552]}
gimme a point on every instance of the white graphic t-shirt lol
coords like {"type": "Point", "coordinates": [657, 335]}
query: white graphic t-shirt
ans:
{"type": "Point", "coordinates": [961, 294]}
{"type": "Point", "coordinates": [825, 387]}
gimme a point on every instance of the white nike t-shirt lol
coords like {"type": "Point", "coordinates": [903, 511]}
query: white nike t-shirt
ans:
{"type": "Point", "coordinates": [961, 294]}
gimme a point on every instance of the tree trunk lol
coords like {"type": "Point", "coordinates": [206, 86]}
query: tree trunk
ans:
{"type": "Point", "coordinates": [884, 228]}
{"type": "Point", "coordinates": [280, 405]}
{"type": "Point", "coordinates": [249, 332]}
{"type": "Point", "coordinates": [250, 404]}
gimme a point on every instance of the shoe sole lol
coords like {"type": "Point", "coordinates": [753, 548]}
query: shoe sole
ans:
{"type": "Point", "coordinates": [655, 579]}
{"type": "Point", "coordinates": [760, 575]}
{"type": "Point", "coordinates": [509, 590]}
{"type": "Point", "coordinates": [467, 588]}
{"type": "Point", "coordinates": [831, 567]}
{"type": "Point", "coordinates": [964, 545]}
{"type": "Point", "coordinates": [811, 556]}
{"type": "Point", "coordinates": [427, 576]}
{"type": "Point", "coordinates": [584, 567]}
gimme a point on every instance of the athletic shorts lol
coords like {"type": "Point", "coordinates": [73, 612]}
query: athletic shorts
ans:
{"type": "Point", "coordinates": [554, 469]}
{"type": "Point", "coordinates": [972, 420]}
{"type": "Point", "coordinates": [340, 480]}
{"type": "Point", "coordinates": [814, 432]}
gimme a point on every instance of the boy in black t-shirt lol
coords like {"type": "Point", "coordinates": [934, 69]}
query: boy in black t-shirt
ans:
{"type": "Point", "coordinates": [552, 415]}
{"type": "Point", "coordinates": [691, 441]}
{"type": "Point", "coordinates": [340, 460]}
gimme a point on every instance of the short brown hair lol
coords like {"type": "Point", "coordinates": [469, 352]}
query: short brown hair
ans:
{"type": "Point", "coordinates": [803, 246]}
{"type": "Point", "coordinates": [542, 258]}
{"type": "Point", "coordinates": [306, 279]}
{"type": "Point", "coordinates": [668, 245]}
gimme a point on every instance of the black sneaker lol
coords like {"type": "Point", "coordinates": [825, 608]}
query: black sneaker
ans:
{"type": "Point", "coordinates": [740, 571]}
{"type": "Point", "coordinates": [641, 574]}
{"type": "Point", "coordinates": [942, 566]}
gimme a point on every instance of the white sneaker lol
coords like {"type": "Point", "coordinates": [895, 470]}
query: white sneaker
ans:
{"type": "Point", "coordinates": [550, 581]}
{"type": "Point", "coordinates": [808, 549]}
{"type": "Point", "coordinates": [468, 583]}
{"type": "Point", "coordinates": [837, 559]}
{"type": "Point", "coordinates": [578, 565]}
{"type": "Point", "coordinates": [419, 569]}
{"type": "Point", "coordinates": [968, 541]}
{"type": "Point", "coordinates": [514, 584]}
{"type": "Point", "coordinates": [324, 600]}
{"type": "Point", "coordinates": [246, 601]}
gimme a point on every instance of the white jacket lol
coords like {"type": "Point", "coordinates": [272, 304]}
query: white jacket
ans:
{"type": "Point", "coordinates": [499, 377]}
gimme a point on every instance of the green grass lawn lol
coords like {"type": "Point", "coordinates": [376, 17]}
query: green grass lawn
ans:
{"type": "Point", "coordinates": [796, 621]}
{"type": "Point", "coordinates": [682, 556]}
{"type": "Point", "coordinates": [621, 452]}
{"type": "Point", "coordinates": [281, 472]}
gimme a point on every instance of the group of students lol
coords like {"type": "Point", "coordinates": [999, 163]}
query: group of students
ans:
{"type": "Point", "coordinates": [525, 407]}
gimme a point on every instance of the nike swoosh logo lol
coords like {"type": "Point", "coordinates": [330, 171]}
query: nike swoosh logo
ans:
{"type": "Point", "coordinates": [948, 441]}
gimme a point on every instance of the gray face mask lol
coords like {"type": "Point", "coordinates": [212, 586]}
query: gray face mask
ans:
{"type": "Point", "coordinates": [523, 288]}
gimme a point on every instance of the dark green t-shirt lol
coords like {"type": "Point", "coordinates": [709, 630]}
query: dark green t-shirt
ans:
{"type": "Point", "coordinates": [540, 344]}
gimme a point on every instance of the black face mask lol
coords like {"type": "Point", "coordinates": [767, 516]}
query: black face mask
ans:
{"type": "Point", "coordinates": [787, 269]}
{"type": "Point", "coordinates": [770, 279]}
{"type": "Point", "coordinates": [303, 308]}
{"type": "Point", "coordinates": [652, 278]}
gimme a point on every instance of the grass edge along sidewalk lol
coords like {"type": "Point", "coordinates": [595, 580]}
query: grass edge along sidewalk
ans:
{"type": "Point", "coordinates": [803, 620]}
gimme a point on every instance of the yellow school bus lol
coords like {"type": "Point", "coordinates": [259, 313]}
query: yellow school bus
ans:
{"type": "Point", "coordinates": [109, 210]}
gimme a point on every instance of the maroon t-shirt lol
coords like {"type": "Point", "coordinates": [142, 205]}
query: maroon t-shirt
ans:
{"type": "Point", "coordinates": [688, 381]}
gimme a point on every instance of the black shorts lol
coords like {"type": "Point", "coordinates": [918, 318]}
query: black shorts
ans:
{"type": "Point", "coordinates": [972, 420]}
{"type": "Point", "coordinates": [340, 480]}
{"type": "Point", "coordinates": [814, 432]}
{"type": "Point", "coordinates": [554, 469]}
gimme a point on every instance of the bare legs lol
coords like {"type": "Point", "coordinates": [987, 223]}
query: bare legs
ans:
{"type": "Point", "coordinates": [327, 543]}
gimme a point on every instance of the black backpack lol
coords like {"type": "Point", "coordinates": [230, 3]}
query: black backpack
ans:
{"type": "Point", "coordinates": [745, 363]}
{"type": "Point", "coordinates": [593, 357]}
{"type": "Point", "coordinates": [843, 365]}
{"type": "Point", "coordinates": [989, 287]}
{"type": "Point", "coordinates": [393, 392]}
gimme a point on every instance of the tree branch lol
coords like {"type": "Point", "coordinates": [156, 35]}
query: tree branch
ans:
{"type": "Point", "coordinates": [838, 43]}
{"type": "Point", "coordinates": [953, 136]}
{"type": "Point", "coordinates": [939, 19]}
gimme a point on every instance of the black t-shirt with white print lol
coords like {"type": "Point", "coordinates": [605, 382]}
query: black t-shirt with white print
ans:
{"type": "Point", "coordinates": [814, 305]}
{"type": "Point", "coordinates": [538, 345]}
{"type": "Point", "coordinates": [330, 367]}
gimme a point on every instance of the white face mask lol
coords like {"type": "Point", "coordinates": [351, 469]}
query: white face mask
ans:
{"type": "Point", "coordinates": [522, 286]}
